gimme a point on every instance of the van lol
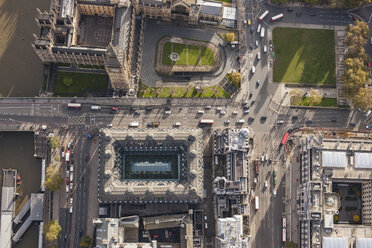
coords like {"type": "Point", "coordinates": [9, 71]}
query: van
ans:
{"type": "Point", "coordinates": [258, 55]}
{"type": "Point", "coordinates": [265, 49]}
{"type": "Point", "coordinates": [259, 28]}
{"type": "Point", "coordinates": [177, 124]}
{"type": "Point", "coordinates": [253, 69]}
{"type": "Point", "coordinates": [95, 107]}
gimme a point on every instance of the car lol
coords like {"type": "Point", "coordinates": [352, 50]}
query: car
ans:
{"type": "Point", "coordinates": [208, 107]}
{"type": "Point", "coordinates": [86, 157]}
{"type": "Point", "coordinates": [294, 117]}
{"type": "Point", "coordinates": [226, 122]}
{"type": "Point", "coordinates": [333, 119]}
{"type": "Point", "coordinates": [253, 101]}
{"type": "Point", "coordinates": [177, 124]}
{"type": "Point", "coordinates": [113, 110]}
{"type": "Point", "coordinates": [68, 146]}
{"type": "Point", "coordinates": [67, 173]}
{"type": "Point", "coordinates": [168, 112]}
{"type": "Point", "coordinates": [312, 14]}
{"type": "Point", "coordinates": [245, 112]}
{"type": "Point", "coordinates": [250, 94]}
{"type": "Point", "coordinates": [262, 158]}
{"type": "Point", "coordinates": [245, 103]}
{"type": "Point", "coordinates": [275, 173]}
{"type": "Point", "coordinates": [265, 49]}
{"type": "Point", "coordinates": [71, 185]}
{"type": "Point", "coordinates": [369, 64]}
{"type": "Point", "coordinates": [368, 126]}
{"type": "Point", "coordinates": [274, 193]}
{"type": "Point", "coordinates": [349, 16]}
{"type": "Point", "coordinates": [223, 112]}
{"type": "Point", "coordinates": [245, 107]}
{"type": "Point", "coordinates": [255, 180]}
{"type": "Point", "coordinates": [250, 119]}
{"type": "Point", "coordinates": [251, 30]}
{"type": "Point", "coordinates": [266, 157]}
{"type": "Point", "coordinates": [258, 83]}
{"type": "Point", "coordinates": [219, 109]}
{"type": "Point", "coordinates": [309, 121]}
{"type": "Point", "coordinates": [68, 181]}
{"type": "Point", "coordinates": [200, 112]}
{"type": "Point", "coordinates": [71, 201]}
{"type": "Point", "coordinates": [256, 43]}
{"type": "Point", "coordinates": [240, 121]}
{"type": "Point", "coordinates": [250, 46]}
{"type": "Point", "coordinates": [70, 209]}
{"type": "Point", "coordinates": [137, 113]}
{"type": "Point", "coordinates": [67, 188]}
{"type": "Point", "coordinates": [265, 184]}
{"type": "Point", "coordinates": [109, 125]}
{"type": "Point", "coordinates": [235, 112]}
{"type": "Point", "coordinates": [280, 122]}
{"type": "Point", "coordinates": [271, 63]}
{"type": "Point", "coordinates": [263, 118]}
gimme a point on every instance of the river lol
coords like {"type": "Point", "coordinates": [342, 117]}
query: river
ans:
{"type": "Point", "coordinates": [20, 68]}
{"type": "Point", "coordinates": [17, 150]}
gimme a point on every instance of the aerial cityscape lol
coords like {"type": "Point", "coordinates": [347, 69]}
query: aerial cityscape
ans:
{"type": "Point", "coordinates": [186, 123]}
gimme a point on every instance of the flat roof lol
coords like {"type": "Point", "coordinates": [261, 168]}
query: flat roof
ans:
{"type": "Point", "coordinates": [6, 230]}
{"type": "Point", "coordinates": [363, 242]}
{"type": "Point", "coordinates": [37, 207]}
{"type": "Point", "coordinates": [334, 159]}
{"type": "Point", "coordinates": [328, 221]}
{"type": "Point", "coordinates": [229, 13]}
{"type": "Point", "coordinates": [329, 242]}
{"type": "Point", "coordinates": [363, 160]}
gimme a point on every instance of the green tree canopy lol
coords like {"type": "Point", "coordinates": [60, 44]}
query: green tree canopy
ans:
{"type": "Point", "coordinates": [86, 241]}
{"type": "Point", "coordinates": [55, 142]}
{"type": "Point", "coordinates": [51, 230]}
{"type": "Point", "coordinates": [291, 244]}
{"type": "Point", "coordinates": [229, 37]}
{"type": "Point", "coordinates": [315, 97]}
{"type": "Point", "coordinates": [53, 181]}
{"type": "Point", "coordinates": [297, 95]}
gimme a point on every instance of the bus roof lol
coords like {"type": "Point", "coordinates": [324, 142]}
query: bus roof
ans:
{"type": "Point", "coordinates": [284, 140]}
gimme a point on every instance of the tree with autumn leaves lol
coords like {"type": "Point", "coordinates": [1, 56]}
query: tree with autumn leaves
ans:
{"type": "Point", "coordinates": [356, 76]}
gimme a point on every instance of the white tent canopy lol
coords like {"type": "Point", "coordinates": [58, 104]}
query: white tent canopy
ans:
{"type": "Point", "coordinates": [334, 159]}
{"type": "Point", "coordinates": [329, 242]}
{"type": "Point", "coordinates": [363, 160]}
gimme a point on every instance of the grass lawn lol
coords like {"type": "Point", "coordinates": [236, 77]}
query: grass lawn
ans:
{"type": "Point", "coordinates": [145, 91]}
{"type": "Point", "coordinates": [305, 56]}
{"type": "Point", "coordinates": [78, 82]}
{"type": "Point", "coordinates": [326, 102]}
{"type": "Point", "coordinates": [188, 54]}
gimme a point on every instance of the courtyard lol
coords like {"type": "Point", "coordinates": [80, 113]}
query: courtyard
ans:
{"type": "Point", "coordinates": [351, 203]}
{"type": "Point", "coordinates": [187, 54]}
{"type": "Point", "coordinates": [304, 56]}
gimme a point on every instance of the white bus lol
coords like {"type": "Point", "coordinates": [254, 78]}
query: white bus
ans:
{"type": "Point", "coordinates": [264, 14]}
{"type": "Point", "coordinates": [134, 124]}
{"type": "Point", "coordinates": [206, 122]}
{"type": "Point", "coordinates": [277, 17]}
{"type": "Point", "coordinates": [256, 202]}
{"type": "Point", "coordinates": [262, 32]}
{"type": "Point", "coordinates": [73, 105]}
{"type": "Point", "coordinates": [284, 235]}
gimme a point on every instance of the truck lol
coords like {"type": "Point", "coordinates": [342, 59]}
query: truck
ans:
{"type": "Point", "coordinates": [67, 156]}
{"type": "Point", "coordinates": [95, 107]}
{"type": "Point", "coordinates": [262, 32]}
{"type": "Point", "coordinates": [153, 124]}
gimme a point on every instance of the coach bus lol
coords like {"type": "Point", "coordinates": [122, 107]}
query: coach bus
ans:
{"type": "Point", "coordinates": [256, 202]}
{"type": "Point", "coordinates": [285, 138]}
{"type": "Point", "coordinates": [264, 14]}
{"type": "Point", "coordinates": [204, 122]}
{"type": "Point", "coordinates": [74, 105]}
{"type": "Point", "coordinates": [277, 17]}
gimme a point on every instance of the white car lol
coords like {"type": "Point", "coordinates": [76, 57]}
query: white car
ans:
{"type": "Point", "coordinates": [262, 158]}
{"type": "Point", "coordinates": [71, 201]}
{"type": "Point", "coordinates": [208, 107]}
{"type": "Point", "coordinates": [70, 209]}
{"type": "Point", "coordinates": [274, 193]}
{"type": "Point", "coordinates": [71, 168]}
{"type": "Point", "coordinates": [66, 188]}
{"type": "Point", "coordinates": [266, 157]}
{"type": "Point", "coordinates": [280, 122]}
{"type": "Point", "coordinates": [109, 125]}
{"type": "Point", "coordinates": [246, 111]}
{"type": "Point", "coordinates": [67, 173]}
{"type": "Point", "coordinates": [71, 177]}
{"type": "Point", "coordinates": [240, 121]}
{"type": "Point", "coordinates": [227, 122]}
{"type": "Point", "coordinates": [235, 112]}
{"type": "Point", "coordinates": [223, 112]}
{"type": "Point", "coordinates": [256, 43]}
{"type": "Point", "coordinates": [265, 49]}
{"type": "Point", "coordinates": [200, 112]}
{"type": "Point", "coordinates": [265, 184]}
{"type": "Point", "coordinates": [255, 180]}
{"type": "Point", "coordinates": [219, 108]}
{"type": "Point", "coordinates": [168, 112]}
{"type": "Point", "coordinates": [177, 124]}
{"type": "Point", "coordinates": [71, 185]}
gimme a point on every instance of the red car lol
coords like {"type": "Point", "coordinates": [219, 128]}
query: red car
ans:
{"type": "Point", "coordinates": [67, 181]}
{"type": "Point", "coordinates": [369, 64]}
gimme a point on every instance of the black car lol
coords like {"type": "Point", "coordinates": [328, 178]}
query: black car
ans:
{"type": "Point", "coordinates": [263, 118]}
{"type": "Point", "coordinates": [253, 102]}
{"type": "Point", "coordinates": [250, 94]}
{"type": "Point", "coordinates": [251, 29]}
{"type": "Point", "coordinates": [309, 121]}
{"type": "Point", "coordinates": [312, 14]}
{"type": "Point", "coordinates": [289, 9]}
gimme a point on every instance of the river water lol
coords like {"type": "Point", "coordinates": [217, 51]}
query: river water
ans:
{"type": "Point", "coordinates": [20, 68]}
{"type": "Point", "coordinates": [17, 150]}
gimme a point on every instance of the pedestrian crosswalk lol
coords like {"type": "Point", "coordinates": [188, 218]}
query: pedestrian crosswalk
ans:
{"type": "Point", "coordinates": [76, 120]}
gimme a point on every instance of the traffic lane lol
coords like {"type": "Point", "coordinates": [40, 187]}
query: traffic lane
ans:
{"type": "Point", "coordinates": [65, 222]}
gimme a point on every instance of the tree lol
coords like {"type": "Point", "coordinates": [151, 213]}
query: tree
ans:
{"type": "Point", "coordinates": [297, 95]}
{"type": "Point", "coordinates": [291, 244]}
{"type": "Point", "coordinates": [235, 78]}
{"type": "Point", "coordinates": [86, 241]}
{"type": "Point", "coordinates": [55, 142]}
{"type": "Point", "coordinates": [356, 75]}
{"type": "Point", "coordinates": [51, 230]}
{"type": "Point", "coordinates": [229, 37]}
{"type": "Point", "coordinates": [363, 99]}
{"type": "Point", "coordinates": [53, 181]}
{"type": "Point", "coordinates": [315, 97]}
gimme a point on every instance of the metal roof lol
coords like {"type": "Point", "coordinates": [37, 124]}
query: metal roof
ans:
{"type": "Point", "coordinates": [363, 160]}
{"type": "Point", "coordinates": [329, 242]}
{"type": "Point", "coordinates": [229, 13]}
{"type": "Point", "coordinates": [334, 159]}
{"type": "Point", "coordinates": [363, 242]}
{"type": "Point", "coordinates": [210, 8]}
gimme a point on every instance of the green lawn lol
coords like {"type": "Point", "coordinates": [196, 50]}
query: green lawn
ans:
{"type": "Point", "coordinates": [326, 102]}
{"type": "Point", "coordinates": [78, 82]}
{"type": "Point", "coordinates": [305, 56]}
{"type": "Point", "coordinates": [225, 1]}
{"type": "Point", "coordinates": [145, 91]}
{"type": "Point", "coordinates": [188, 54]}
